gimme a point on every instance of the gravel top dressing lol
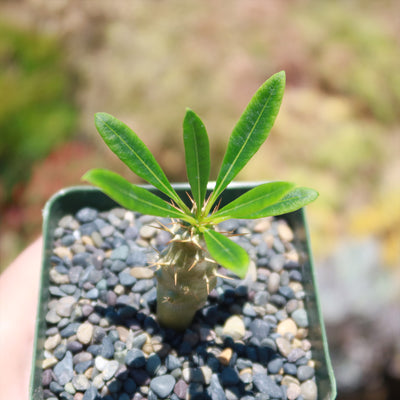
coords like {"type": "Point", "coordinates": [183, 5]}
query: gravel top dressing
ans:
{"type": "Point", "coordinates": [104, 342]}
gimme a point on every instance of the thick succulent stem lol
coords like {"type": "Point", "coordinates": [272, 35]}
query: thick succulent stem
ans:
{"type": "Point", "coordinates": [185, 278]}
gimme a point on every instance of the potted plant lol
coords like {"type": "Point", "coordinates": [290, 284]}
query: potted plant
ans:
{"type": "Point", "coordinates": [101, 343]}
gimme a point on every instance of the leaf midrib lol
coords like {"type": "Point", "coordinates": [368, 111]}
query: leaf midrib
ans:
{"type": "Point", "coordinates": [141, 160]}
{"type": "Point", "coordinates": [126, 192]}
{"type": "Point", "coordinates": [246, 141]}
{"type": "Point", "coordinates": [246, 204]}
{"type": "Point", "coordinates": [197, 161]}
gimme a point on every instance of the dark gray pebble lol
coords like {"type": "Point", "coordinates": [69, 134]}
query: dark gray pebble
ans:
{"type": "Point", "coordinates": [261, 298]}
{"type": "Point", "coordinates": [74, 274]}
{"type": "Point", "coordinates": [81, 259]}
{"type": "Point", "coordinates": [118, 265]}
{"type": "Point", "coordinates": [286, 291]}
{"type": "Point", "coordinates": [68, 240]}
{"type": "Point", "coordinates": [259, 328]}
{"type": "Point", "coordinates": [94, 318]}
{"type": "Point", "coordinates": [91, 394]}
{"type": "Point", "coordinates": [95, 276]}
{"type": "Point", "coordinates": [275, 365]}
{"type": "Point", "coordinates": [229, 377]}
{"type": "Point", "coordinates": [86, 214]}
{"type": "Point", "coordinates": [267, 385]}
{"type": "Point", "coordinates": [112, 280]}
{"type": "Point", "coordinates": [63, 370]}
{"type": "Point", "coordinates": [291, 264]}
{"type": "Point", "coordinates": [120, 253]}
{"type": "Point", "coordinates": [135, 358]}
{"type": "Point", "coordinates": [55, 291]}
{"type": "Point", "coordinates": [150, 297]}
{"type": "Point", "coordinates": [305, 372]}
{"type": "Point", "coordinates": [215, 390]}
{"type": "Point", "coordinates": [277, 262]}
{"type": "Point", "coordinates": [290, 369]}
{"type": "Point", "coordinates": [131, 232]}
{"type": "Point", "coordinates": [248, 310]}
{"type": "Point", "coordinates": [81, 367]}
{"type": "Point", "coordinates": [87, 309]}
{"type": "Point", "coordinates": [140, 377]}
{"type": "Point", "coordinates": [70, 329]}
{"type": "Point", "coordinates": [66, 396]}
{"type": "Point", "coordinates": [143, 285]}
{"type": "Point", "coordinates": [74, 346]}
{"type": "Point", "coordinates": [151, 326]}
{"type": "Point", "coordinates": [172, 362]}
{"type": "Point", "coordinates": [95, 349]}
{"type": "Point", "coordinates": [137, 257]}
{"type": "Point", "coordinates": [126, 279]}
{"type": "Point", "coordinates": [295, 275]}
{"type": "Point", "coordinates": [107, 230]}
{"type": "Point", "coordinates": [153, 364]}
{"type": "Point", "coordinates": [129, 386]}
{"type": "Point", "coordinates": [139, 341]}
{"type": "Point", "coordinates": [81, 357]}
{"type": "Point", "coordinates": [295, 355]}
{"type": "Point", "coordinates": [107, 348]}
{"type": "Point", "coordinates": [278, 300]}
{"type": "Point", "coordinates": [92, 294]}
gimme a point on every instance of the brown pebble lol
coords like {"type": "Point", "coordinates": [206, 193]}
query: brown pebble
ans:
{"type": "Point", "coordinates": [123, 333]}
{"type": "Point", "coordinates": [225, 356]}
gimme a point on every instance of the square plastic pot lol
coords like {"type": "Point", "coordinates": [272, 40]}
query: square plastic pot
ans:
{"type": "Point", "coordinates": [70, 200]}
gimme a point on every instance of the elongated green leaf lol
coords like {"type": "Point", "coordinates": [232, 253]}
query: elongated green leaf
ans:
{"type": "Point", "coordinates": [251, 131]}
{"type": "Point", "coordinates": [227, 253]}
{"type": "Point", "coordinates": [292, 201]}
{"type": "Point", "coordinates": [253, 201]}
{"type": "Point", "coordinates": [131, 196]}
{"type": "Point", "coordinates": [134, 153]}
{"type": "Point", "coordinates": [197, 153]}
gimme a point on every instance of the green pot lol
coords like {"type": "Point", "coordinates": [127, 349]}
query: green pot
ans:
{"type": "Point", "coordinates": [70, 200]}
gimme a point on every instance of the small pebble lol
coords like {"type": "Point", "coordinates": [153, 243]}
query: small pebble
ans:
{"type": "Point", "coordinates": [162, 386]}
{"type": "Point", "coordinates": [300, 317]}
{"type": "Point", "coordinates": [309, 390]}
{"type": "Point", "coordinates": [85, 333]}
{"type": "Point", "coordinates": [63, 370]}
{"type": "Point", "coordinates": [234, 327]}
{"type": "Point", "coordinates": [287, 326]}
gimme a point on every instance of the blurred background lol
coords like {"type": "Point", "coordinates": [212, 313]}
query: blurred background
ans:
{"type": "Point", "coordinates": [146, 61]}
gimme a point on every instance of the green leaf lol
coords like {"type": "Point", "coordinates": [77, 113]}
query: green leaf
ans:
{"type": "Point", "coordinates": [197, 153]}
{"type": "Point", "coordinates": [253, 201]}
{"type": "Point", "coordinates": [227, 253]}
{"type": "Point", "coordinates": [251, 131]}
{"type": "Point", "coordinates": [292, 201]}
{"type": "Point", "coordinates": [131, 196]}
{"type": "Point", "coordinates": [134, 153]}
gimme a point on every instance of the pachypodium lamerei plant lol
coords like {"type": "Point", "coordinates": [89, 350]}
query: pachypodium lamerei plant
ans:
{"type": "Point", "coordinates": [187, 268]}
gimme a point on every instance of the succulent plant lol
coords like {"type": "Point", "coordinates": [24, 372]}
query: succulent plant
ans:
{"type": "Point", "coordinates": [187, 268]}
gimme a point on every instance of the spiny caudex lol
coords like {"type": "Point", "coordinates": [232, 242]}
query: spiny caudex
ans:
{"type": "Point", "coordinates": [187, 269]}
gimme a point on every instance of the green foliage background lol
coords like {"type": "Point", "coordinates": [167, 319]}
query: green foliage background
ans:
{"type": "Point", "coordinates": [36, 108]}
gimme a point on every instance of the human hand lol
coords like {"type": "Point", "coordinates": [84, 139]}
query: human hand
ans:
{"type": "Point", "coordinates": [19, 287]}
